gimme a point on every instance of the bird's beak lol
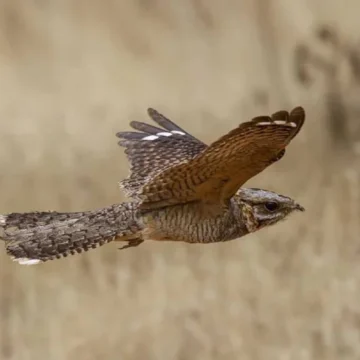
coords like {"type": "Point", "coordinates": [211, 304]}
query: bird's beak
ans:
{"type": "Point", "coordinates": [299, 207]}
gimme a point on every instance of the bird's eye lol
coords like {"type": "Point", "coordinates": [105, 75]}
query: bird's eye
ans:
{"type": "Point", "coordinates": [271, 206]}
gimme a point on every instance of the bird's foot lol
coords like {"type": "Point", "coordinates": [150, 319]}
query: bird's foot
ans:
{"type": "Point", "coordinates": [131, 243]}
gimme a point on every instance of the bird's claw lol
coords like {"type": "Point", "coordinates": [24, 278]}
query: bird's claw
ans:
{"type": "Point", "coordinates": [131, 243]}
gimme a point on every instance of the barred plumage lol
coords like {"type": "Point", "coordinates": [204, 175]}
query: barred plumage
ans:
{"type": "Point", "coordinates": [41, 236]}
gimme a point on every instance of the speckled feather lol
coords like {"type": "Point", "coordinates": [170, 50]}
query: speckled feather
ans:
{"type": "Point", "coordinates": [49, 235]}
{"type": "Point", "coordinates": [149, 158]}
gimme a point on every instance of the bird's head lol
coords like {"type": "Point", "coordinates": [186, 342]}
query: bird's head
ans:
{"type": "Point", "coordinates": [263, 208]}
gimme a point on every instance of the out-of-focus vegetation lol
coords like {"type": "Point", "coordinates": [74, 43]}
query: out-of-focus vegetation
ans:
{"type": "Point", "coordinates": [72, 73]}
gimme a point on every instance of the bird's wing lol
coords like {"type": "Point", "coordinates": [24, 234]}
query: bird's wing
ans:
{"type": "Point", "coordinates": [151, 150]}
{"type": "Point", "coordinates": [214, 175]}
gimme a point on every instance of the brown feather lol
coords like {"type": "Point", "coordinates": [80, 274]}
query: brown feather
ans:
{"type": "Point", "coordinates": [218, 172]}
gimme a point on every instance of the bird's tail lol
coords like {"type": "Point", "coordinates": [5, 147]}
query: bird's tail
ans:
{"type": "Point", "coordinates": [35, 237]}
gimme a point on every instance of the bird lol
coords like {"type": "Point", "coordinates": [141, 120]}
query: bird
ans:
{"type": "Point", "coordinates": [180, 189]}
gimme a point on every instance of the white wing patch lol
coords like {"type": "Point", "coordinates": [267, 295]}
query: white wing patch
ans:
{"type": "Point", "coordinates": [164, 134]}
{"type": "Point", "coordinates": [276, 122]}
{"type": "Point", "coordinates": [150, 137]}
{"type": "Point", "coordinates": [155, 137]}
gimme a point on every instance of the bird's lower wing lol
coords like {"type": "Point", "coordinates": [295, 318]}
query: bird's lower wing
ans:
{"type": "Point", "coordinates": [218, 172]}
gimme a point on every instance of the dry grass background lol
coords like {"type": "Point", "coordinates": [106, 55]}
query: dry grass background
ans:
{"type": "Point", "coordinates": [72, 73]}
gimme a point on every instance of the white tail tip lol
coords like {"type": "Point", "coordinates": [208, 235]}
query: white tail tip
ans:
{"type": "Point", "coordinates": [2, 220]}
{"type": "Point", "coordinates": [26, 261]}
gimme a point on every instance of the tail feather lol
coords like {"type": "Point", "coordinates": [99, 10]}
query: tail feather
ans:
{"type": "Point", "coordinates": [35, 237]}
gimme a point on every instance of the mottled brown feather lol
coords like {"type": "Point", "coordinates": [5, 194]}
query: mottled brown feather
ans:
{"type": "Point", "coordinates": [217, 172]}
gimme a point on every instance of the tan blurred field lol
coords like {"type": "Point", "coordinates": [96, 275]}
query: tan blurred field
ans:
{"type": "Point", "coordinates": [74, 72]}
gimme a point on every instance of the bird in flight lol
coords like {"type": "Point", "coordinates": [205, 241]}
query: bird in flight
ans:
{"type": "Point", "coordinates": [180, 189]}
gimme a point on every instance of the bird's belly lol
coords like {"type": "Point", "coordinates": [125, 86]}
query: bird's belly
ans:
{"type": "Point", "coordinates": [180, 224]}
{"type": "Point", "coordinates": [187, 234]}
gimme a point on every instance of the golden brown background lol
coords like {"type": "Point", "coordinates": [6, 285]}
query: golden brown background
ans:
{"type": "Point", "coordinates": [74, 72]}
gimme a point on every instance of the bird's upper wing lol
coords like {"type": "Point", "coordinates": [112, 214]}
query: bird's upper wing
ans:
{"type": "Point", "coordinates": [215, 174]}
{"type": "Point", "coordinates": [151, 150]}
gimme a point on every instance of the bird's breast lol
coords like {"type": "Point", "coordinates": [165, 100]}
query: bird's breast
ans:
{"type": "Point", "coordinates": [186, 223]}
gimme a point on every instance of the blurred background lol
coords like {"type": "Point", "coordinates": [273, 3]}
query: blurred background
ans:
{"type": "Point", "coordinates": [74, 72]}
